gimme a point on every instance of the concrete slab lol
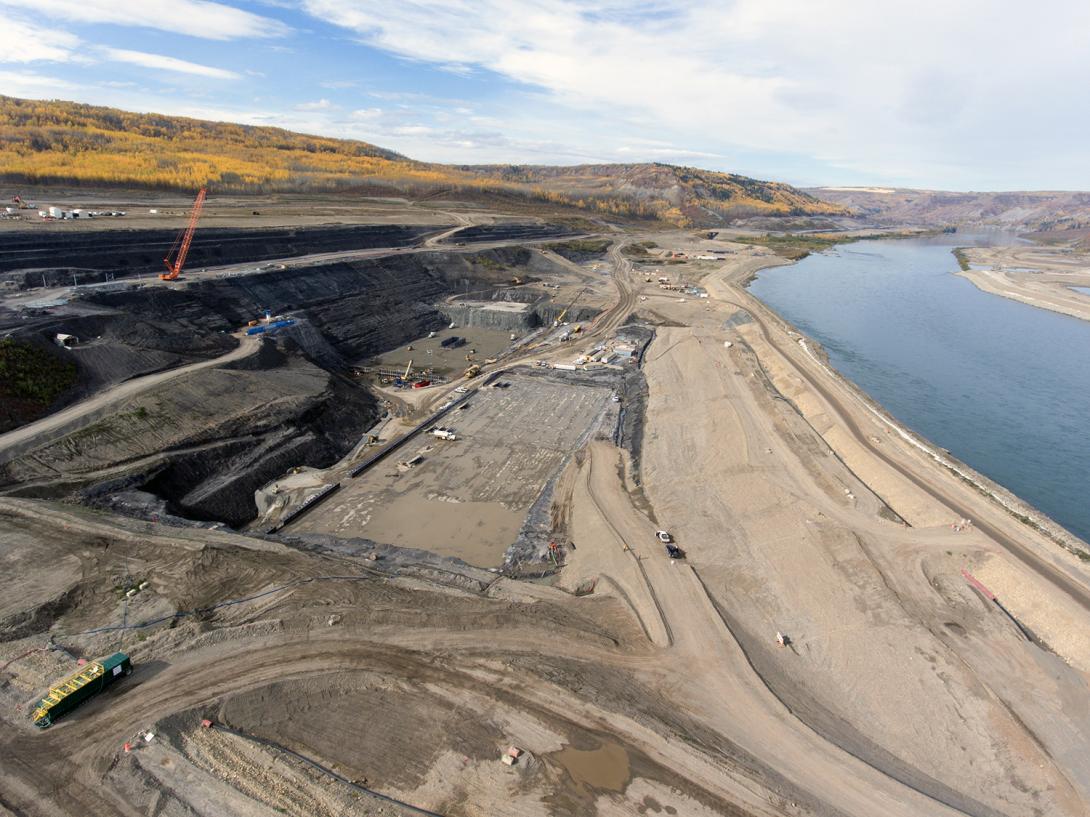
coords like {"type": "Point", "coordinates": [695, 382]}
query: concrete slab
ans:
{"type": "Point", "coordinates": [469, 498]}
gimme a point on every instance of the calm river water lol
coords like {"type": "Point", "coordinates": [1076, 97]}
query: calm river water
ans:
{"type": "Point", "coordinates": [1004, 386]}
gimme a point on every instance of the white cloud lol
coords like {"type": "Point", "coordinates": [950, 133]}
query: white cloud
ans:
{"type": "Point", "coordinates": [196, 18]}
{"type": "Point", "coordinates": [33, 85]}
{"type": "Point", "coordinates": [927, 92]}
{"type": "Point", "coordinates": [978, 94]}
{"type": "Point", "coordinates": [159, 62]}
{"type": "Point", "coordinates": [24, 42]}
{"type": "Point", "coordinates": [319, 105]}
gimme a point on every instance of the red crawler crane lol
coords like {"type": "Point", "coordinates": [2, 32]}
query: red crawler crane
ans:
{"type": "Point", "coordinates": [184, 239]}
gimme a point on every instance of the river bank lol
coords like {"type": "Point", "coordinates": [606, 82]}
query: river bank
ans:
{"type": "Point", "coordinates": [980, 377]}
{"type": "Point", "coordinates": [1040, 276]}
{"type": "Point", "coordinates": [806, 509]}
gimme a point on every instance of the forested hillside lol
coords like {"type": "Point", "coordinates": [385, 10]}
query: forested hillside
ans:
{"type": "Point", "coordinates": [69, 143]}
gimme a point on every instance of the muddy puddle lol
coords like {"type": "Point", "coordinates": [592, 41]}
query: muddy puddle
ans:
{"type": "Point", "coordinates": [605, 768]}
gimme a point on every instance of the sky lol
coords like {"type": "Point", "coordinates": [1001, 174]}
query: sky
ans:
{"type": "Point", "coordinates": [970, 95]}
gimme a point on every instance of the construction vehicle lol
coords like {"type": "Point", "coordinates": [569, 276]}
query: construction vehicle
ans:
{"type": "Point", "coordinates": [473, 371]}
{"type": "Point", "coordinates": [22, 205]}
{"type": "Point", "coordinates": [270, 328]}
{"type": "Point", "coordinates": [74, 690]}
{"type": "Point", "coordinates": [560, 318]}
{"type": "Point", "coordinates": [183, 241]}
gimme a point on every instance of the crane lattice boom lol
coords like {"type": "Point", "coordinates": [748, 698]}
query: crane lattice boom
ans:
{"type": "Point", "coordinates": [184, 240]}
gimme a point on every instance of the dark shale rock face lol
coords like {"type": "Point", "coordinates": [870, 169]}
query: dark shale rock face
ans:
{"type": "Point", "coordinates": [347, 310]}
{"type": "Point", "coordinates": [131, 252]}
{"type": "Point", "coordinates": [218, 483]}
{"type": "Point", "coordinates": [206, 441]}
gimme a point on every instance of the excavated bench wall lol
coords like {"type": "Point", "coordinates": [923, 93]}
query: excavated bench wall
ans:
{"type": "Point", "coordinates": [480, 233]}
{"type": "Point", "coordinates": [361, 307]}
{"type": "Point", "coordinates": [485, 315]}
{"type": "Point", "coordinates": [219, 441]}
{"type": "Point", "coordinates": [121, 252]}
{"type": "Point", "coordinates": [478, 309]}
{"type": "Point", "coordinates": [508, 315]}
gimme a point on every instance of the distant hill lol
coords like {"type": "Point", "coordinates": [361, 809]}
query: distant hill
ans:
{"type": "Point", "coordinates": [70, 143]}
{"type": "Point", "coordinates": [704, 197]}
{"type": "Point", "coordinates": [1040, 211]}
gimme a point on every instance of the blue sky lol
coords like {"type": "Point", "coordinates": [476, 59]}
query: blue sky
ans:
{"type": "Point", "coordinates": [973, 95]}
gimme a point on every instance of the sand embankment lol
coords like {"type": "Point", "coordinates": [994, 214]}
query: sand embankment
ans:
{"type": "Point", "coordinates": [1038, 276]}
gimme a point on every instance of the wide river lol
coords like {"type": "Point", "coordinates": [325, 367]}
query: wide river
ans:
{"type": "Point", "coordinates": [1003, 386]}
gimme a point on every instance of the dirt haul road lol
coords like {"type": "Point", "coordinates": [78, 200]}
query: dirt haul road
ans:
{"type": "Point", "coordinates": [780, 519]}
{"type": "Point", "coordinates": [54, 425]}
{"type": "Point", "coordinates": [518, 655]}
{"type": "Point", "coordinates": [901, 691]}
{"type": "Point", "coordinates": [715, 683]}
{"type": "Point", "coordinates": [787, 536]}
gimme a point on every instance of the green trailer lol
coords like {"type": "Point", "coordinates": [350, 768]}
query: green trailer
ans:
{"type": "Point", "coordinates": [71, 692]}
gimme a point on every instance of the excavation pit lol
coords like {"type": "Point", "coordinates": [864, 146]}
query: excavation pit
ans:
{"type": "Point", "coordinates": [468, 499]}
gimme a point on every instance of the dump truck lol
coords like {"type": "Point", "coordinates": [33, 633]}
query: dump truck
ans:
{"type": "Point", "coordinates": [473, 371]}
{"type": "Point", "coordinates": [74, 690]}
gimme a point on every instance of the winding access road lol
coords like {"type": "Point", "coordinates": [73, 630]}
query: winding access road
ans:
{"type": "Point", "coordinates": [55, 425]}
